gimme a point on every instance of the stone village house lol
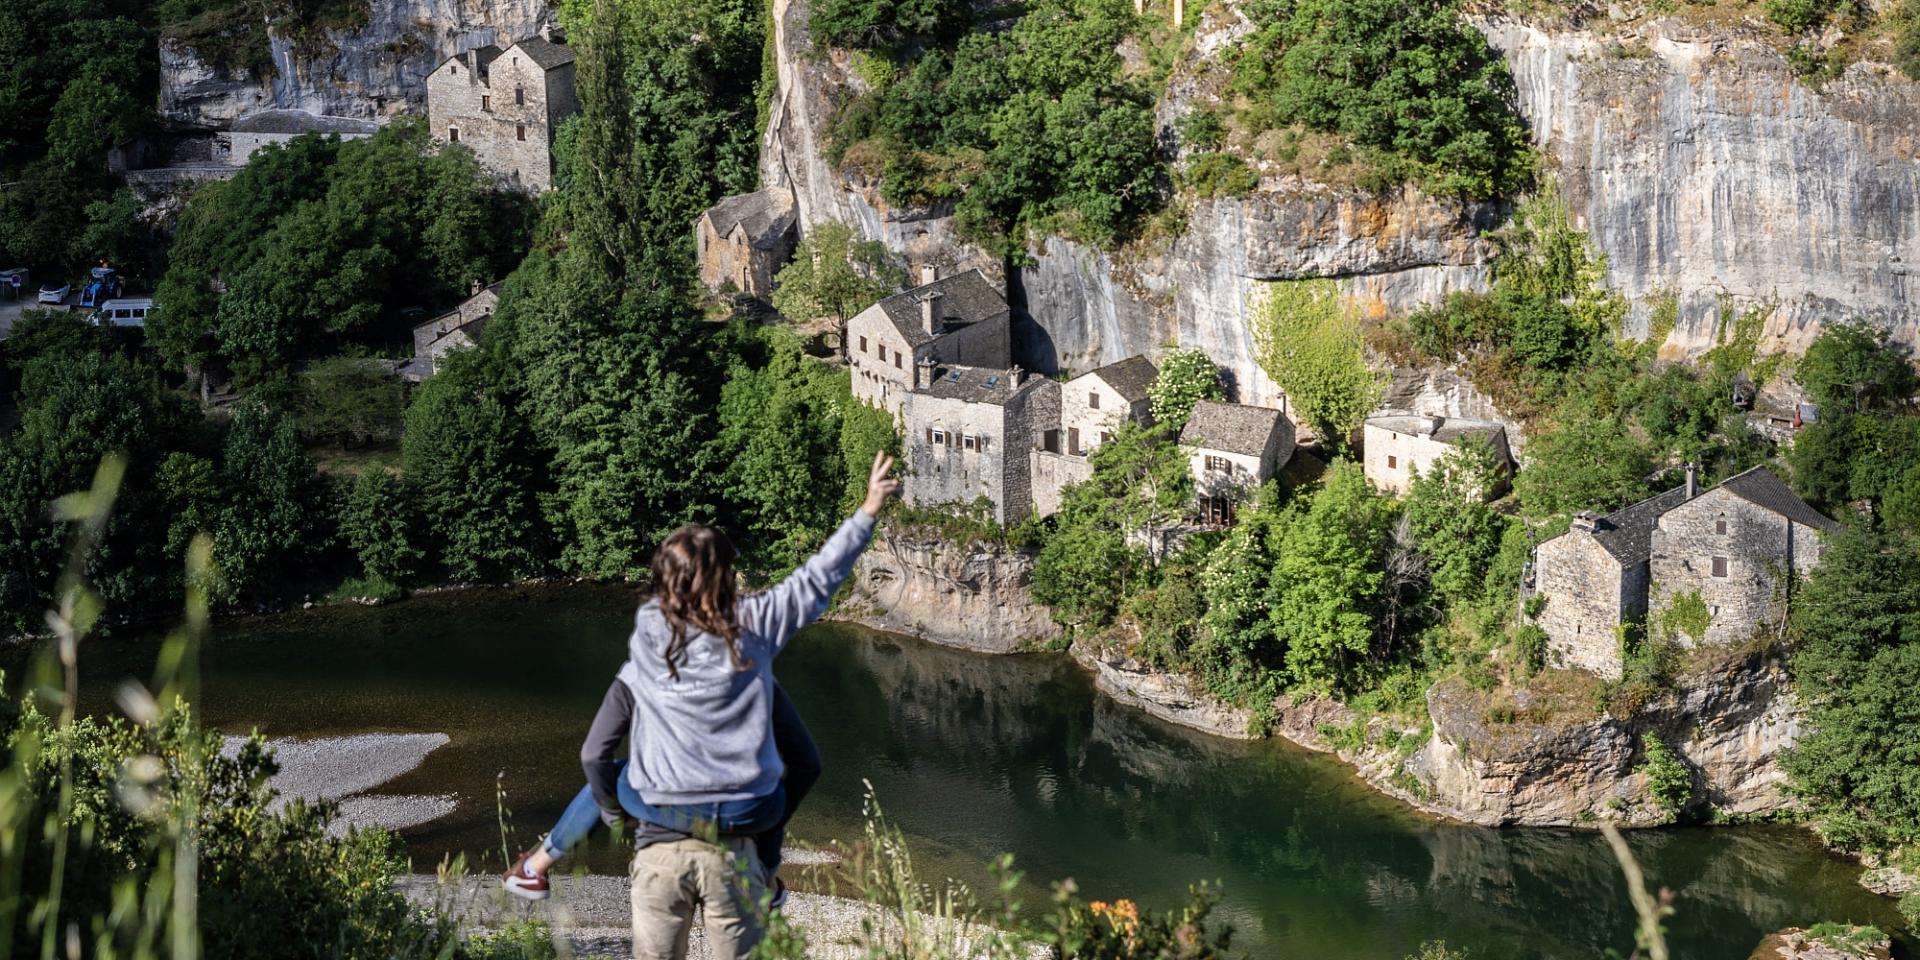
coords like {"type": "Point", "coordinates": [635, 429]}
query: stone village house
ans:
{"type": "Point", "coordinates": [505, 105]}
{"type": "Point", "coordinates": [745, 239]}
{"type": "Point", "coordinates": [1091, 407]}
{"type": "Point", "coordinates": [1233, 449]}
{"type": "Point", "coordinates": [961, 320]}
{"type": "Point", "coordinates": [1738, 547]}
{"type": "Point", "coordinates": [1396, 448]}
{"type": "Point", "coordinates": [456, 329]}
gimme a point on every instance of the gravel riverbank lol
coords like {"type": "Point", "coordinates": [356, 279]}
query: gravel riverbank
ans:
{"type": "Point", "coordinates": [345, 768]}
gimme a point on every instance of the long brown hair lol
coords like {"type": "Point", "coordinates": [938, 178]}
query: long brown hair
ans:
{"type": "Point", "coordinates": [693, 580]}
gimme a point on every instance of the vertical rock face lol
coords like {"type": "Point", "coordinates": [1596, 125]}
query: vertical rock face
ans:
{"type": "Point", "coordinates": [378, 70]}
{"type": "Point", "coordinates": [960, 593]}
{"type": "Point", "coordinates": [1704, 169]}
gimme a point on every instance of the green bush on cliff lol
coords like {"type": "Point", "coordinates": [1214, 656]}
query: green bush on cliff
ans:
{"type": "Point", "coordinates": [1668, 780]}
{"type": "Point", "coordinates": [1412, 84]}
{"type": "Point", "coordinates": [1186, 377]}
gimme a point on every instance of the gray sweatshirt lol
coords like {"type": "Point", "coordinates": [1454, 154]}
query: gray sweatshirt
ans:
{"type": "Point", "coordinates": [708, 736]}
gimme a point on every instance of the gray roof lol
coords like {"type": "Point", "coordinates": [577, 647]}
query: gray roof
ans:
{"type": "Point", "coordinates": [1442, 429]}
{"type": "Point", "coordinates": [1627, 533]}
{"type": "Point", "coordinates": [964, 298]}
{"type": "Point", "coordinates": [545, 53]}
{"type": "Point", "coordinates": [1131, 378]}
{"type": "Point", "coordinates": [300, 121]}
{"type": "Point", "coordinates": [979, 384]}
{"type": "Point", "coordinates": [1761, 488]}
{"type": "Point", "coordinates": [483, 55]}
{"type": "Point", "coordinates": [765, 215]}
{"type": "Point", "coordinates": [1232, 427]}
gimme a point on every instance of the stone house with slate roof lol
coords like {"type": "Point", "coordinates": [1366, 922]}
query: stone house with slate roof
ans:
{"type": "Point", "coordinates": [1233, 449]}
{"type": "Point", "coordinates": [1396, 448]}
{"type": "Point", "coordinates": [256, 130]}
{"type": "Point", "coordinates": [1092, 406]}
{"type": "Point", "coordinates": [961, 320]}
{"type": "Point", "coordinates": [505, 105]}
{"type": "Point", "coordinates": [1739, 546]}
{"type": "Point", "coordinates": [745, 239]}
{"type": "Point", "coordinates": [461, 327]}
{"type": "Point", "coordinates": [968, 432]}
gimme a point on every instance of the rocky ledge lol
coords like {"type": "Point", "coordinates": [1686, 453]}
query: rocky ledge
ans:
{"type": "Point", "coordinates": [969, 593]}
{"type": "Point", "coordinates": [1860, 943]}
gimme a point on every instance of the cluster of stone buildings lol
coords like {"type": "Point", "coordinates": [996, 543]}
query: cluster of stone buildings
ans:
{"type": "Point", "coordinates": [1736, 549]}
{"type": "Point", "coordinates": [939, 359]}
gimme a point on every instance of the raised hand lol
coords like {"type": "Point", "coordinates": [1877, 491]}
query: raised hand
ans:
{"type": "Point", "coordinates": [880, 486]}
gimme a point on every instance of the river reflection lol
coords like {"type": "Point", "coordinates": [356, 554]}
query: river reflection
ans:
{"type": "Point", "coordinates": [975, 755]}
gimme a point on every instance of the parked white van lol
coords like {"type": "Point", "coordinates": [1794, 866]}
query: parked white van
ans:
{"type": "Point", "coordinates": [124, 313]}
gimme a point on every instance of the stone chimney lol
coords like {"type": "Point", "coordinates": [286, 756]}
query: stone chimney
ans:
{"type": "Point", "coordinates": [1693, 480]}
{"type": "Point", "coordinates": [931, 316]}
{"type": "Point", "coordinates": [1016, 376]}
{"type": "Point", "coordinates": [546, 32]}
{"type": "Point", "coordinates": [923, 372]}
{"type": "Point", "coordinates": [473, 66]}
{"type": "Point", "coordinates": [1434, 424]}
{"type": "Point", "coordinates": [929, 272]}
{"type": "Point", "coordinates": [1585, 520]}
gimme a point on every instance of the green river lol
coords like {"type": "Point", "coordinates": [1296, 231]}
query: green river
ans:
{"type": "Point", "coordinates": [975, 755]}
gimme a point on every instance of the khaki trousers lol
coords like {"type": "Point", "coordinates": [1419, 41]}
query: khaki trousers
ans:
{"type": "Point", "coordinates": [724, 879]}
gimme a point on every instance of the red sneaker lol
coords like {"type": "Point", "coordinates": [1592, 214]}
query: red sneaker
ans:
{"type": "Point", "coordinates": [524, 883]}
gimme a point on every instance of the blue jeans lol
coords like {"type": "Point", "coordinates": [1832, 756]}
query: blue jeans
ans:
{"type": "Point", "coordinates": [797, 750]}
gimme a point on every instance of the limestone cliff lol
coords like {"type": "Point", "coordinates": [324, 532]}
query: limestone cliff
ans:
{"type": "Point", "coordinates": [378, 70]}
{"type": "Point", "coordinates": [1703, 167]}
{"type": "Point", "coordinates": [967, 593]}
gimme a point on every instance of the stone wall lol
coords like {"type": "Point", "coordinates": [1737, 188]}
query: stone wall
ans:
{"type": "Point", "coordinates": [973, 595]}
{"type": "Point", "coordinates": [1052, 473]}
{"type": "Point", "coordinates": [1082, 424]}
{"type": "Point", "coordinates": [242, 146]}
{"type": "Point", "coordinates": [1246, 475]}
{"type": "Point", "coordinates": [880, 383]}
{"type": "Point", "coordinates": [1032, 410]}
{"type": "Point", "coordinates": [1583, 585]}
{"type": "Point", "coordinates": [1410, 454]}
{"type": "Point", "coordinates": [1758, 548]}
{"type": "Point", "coordinates": [507, 121]}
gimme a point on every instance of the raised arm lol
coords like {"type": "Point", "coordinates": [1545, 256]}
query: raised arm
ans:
{"type": "Point", "coordinates": [802, 597]}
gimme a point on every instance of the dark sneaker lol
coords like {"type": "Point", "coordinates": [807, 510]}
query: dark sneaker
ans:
{"type": "Point", "coordinates": [779, 894]}
{"type": "Point", "coordinates": [524, 884]}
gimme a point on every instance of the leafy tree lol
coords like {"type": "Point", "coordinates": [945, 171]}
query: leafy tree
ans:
{"type": "Point", "coordinates": [91, 116]}
{"type": "Point", "coordinates": [1140, 487]}
{"type": "Point", "coordinates": [469, 457]}
{"type": "Point", "coordinates": [268, 521]}
{"type": "Point", "coordinates": [1328, 583]}
{"type": "Point", "coordinates": [380, 524]}
{"type": "Point", "coordinates": [1186, 378]}
{"type": "Point", "coordinates": [1457, 532]}
{"type": "Point", "coordinates": [1412, 82]}
{"type": "Point", "coordinates": [1583, 458]}
{"type": "Point", "coordinates": [1857, 622]}
{"type": "Point", "coordinates": [1310, 344]}
{"type": "Point", "coordinates": [877, 23]}
{"type": "Point", "coordinates": [863, 431]}
{"type": "Point", "coordinates": [1240, 654]}
{"type": "Point", "coordinates": [780, 437]}
{"type": "Point", "coordinates": [1852, 367]}
{"type": "Point", "coordinates": [350, 400]}
{"type": "Point", "coordinates": [835, 275]}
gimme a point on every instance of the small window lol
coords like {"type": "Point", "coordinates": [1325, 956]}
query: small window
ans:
{"type": "Point", "coordinates": [896, 361]}
{"type": "Point", "coordinates": [1093, 400]}
{"type": "Point", "coordinates": [453, 69]}
{"type": "Point", "coordinates": [1219, 464]}
{"type": "Point", "coordinates": [883, 353]}
{"type": "Point", "coordinates": [863, 344]}
{"type": "Point", "coordinates": [1720, 526]}
{"type": "Point", "coordinates": [1105, 436]}
{"type": "Point", "coordinates": [1073, 440]}
{"type": "Point", "coordinates": [1392, 462]}
{"type": "Point", "coordinates": [486, 102]}
{"type": "Point", "coordinates": [519, 131]}
{"type": "Point", "coordinates": [969, 442]}
{"type": "Point", "coordinates": [519, 96]}
{"type": "Point", "coordinates": [453, 134]}
{"type": "Point", "coordinates": [1050, 440]}
{"type": "Point", "coordinates": [1719, 566]}
{"type": "Point", "coordinates": [937, 437]}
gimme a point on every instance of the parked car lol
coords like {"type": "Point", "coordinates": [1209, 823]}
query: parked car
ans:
{"type": "Point", "coordinates": [55, 293]}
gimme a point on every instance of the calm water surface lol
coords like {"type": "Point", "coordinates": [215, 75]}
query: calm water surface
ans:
{"type": "Point", "coordinates": [974, 755]}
